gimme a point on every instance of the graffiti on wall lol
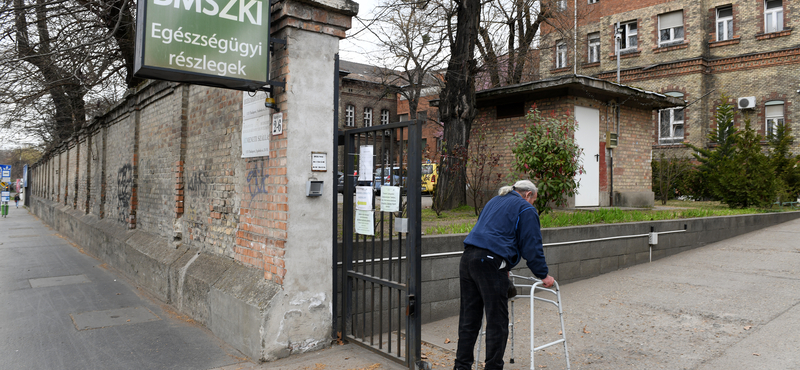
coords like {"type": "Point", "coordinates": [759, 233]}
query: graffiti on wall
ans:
{"type": "Point", "coordinates": [124, 192]}
{"type": "Point", "coordinates": [257, 180]}
{"type": "Point", "coordinates": [198, 184]}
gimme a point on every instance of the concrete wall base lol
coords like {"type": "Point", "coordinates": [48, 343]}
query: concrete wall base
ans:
{"type": "Point", "coordinates": [232, 300]}
{"type": "Point", "coordinates": [638, 199]}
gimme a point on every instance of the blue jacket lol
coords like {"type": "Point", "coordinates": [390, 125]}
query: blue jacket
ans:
{"type": "Point", "coordinates": [509, 226]}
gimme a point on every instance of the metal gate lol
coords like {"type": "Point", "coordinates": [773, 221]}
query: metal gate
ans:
{"type": "Point", "coordinates": [378, 275]}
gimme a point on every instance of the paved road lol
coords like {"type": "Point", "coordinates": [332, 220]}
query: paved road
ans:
{"type": "Point", "coordinates": [62, 309]}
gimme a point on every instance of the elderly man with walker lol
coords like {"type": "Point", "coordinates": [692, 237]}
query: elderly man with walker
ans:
{"type": "Point", "coordinates": [507, 230]}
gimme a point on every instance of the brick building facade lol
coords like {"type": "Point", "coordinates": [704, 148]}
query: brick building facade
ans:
{"type": "Point", "coordinates": [628, 181]}
{"type": "Point", "coordinates": [694, 50]}
{"type": "Point", "coordinates": [367, 97]}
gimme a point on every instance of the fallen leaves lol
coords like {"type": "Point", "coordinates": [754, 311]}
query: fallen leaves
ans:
{"type": "Point", "coordinates": [339, 338]}
{"type": "Point", "coordinates": [446, 340]}
{"type": "Point", "coordinates": [748, 327]}
{"type": "Point", "coordinates": [586, 331]}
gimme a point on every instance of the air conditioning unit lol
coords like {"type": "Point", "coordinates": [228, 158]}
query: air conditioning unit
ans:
{"type": "Point", "coordinates": [748, 102]}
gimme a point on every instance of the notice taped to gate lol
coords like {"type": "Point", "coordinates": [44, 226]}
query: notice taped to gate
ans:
{"type": "Point", "coordinates": [365, 221]}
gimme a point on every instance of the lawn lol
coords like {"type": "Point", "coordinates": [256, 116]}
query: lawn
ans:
{"type": "Point", "coordinates": [462, 220]}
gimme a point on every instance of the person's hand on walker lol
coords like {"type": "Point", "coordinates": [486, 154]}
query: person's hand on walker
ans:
{"type": "Point", "coordinates": [548, 281]}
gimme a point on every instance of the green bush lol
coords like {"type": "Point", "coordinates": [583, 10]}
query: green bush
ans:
{"type": "Point", "coordinates": [672, 177]}
{"type": "Point", "coordinates": [548, 154]}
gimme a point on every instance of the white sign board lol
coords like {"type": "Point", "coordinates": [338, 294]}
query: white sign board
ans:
{"type": "Point", "coordinates": [365, 221]}
{"type": "Point", "coordinates": [319, 162]}
{"type": "Point", "coordinates": [365, 162]}
{"type": "Point", "coordinates": [5, 196]}
{"type": "Point", "coordinates": [390, 198]}
{"type": "Point", "coordinates": [255, 126]}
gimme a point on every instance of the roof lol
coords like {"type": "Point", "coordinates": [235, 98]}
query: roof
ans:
{"type": "Point", "coordinates": [577, 85]}
{"type": "Point", "coordinates": [362, 72]}
{"type": "Point", "coordinates": [368, 73]}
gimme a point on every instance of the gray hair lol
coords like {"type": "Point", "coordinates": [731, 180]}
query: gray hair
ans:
{"type": "Point", "coordinates": [521, 185]}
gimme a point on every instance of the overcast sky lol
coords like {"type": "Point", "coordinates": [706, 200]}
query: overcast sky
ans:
{"type": "Point", "coordinates": [359, 42]}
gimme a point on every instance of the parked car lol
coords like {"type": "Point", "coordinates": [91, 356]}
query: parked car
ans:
{"type": "Point", "coordinates": [394, 176]}
{"type": "Point", "coordinates": [430, 172]}
{"type": "Point", "coordinates": [340, 186]}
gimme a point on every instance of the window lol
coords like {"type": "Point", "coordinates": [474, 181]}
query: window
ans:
{"type": "Point", "coordinates": [510, 110]}
{"type": "Point", "coordinates": [629, 40]}
{"type": "Point", "coordinates": [724, 23]}
{"type": "Point", "coordinates": [384, 116]}
{"type": "Point", "coordinates": [774, 113]}
{"type": "Point", "coordinates": [594, 47]}
{"type": "Point", "coordinates": [349, 116]}
{"type": "Point", "coordinates": [670, 126]}
{"type": "Point", "coordinates": [773, 16]}
{"type": "Point", "coordinates": [592, 1]}
{"type": "Point", "coordinates": [670, 28]}
{"type": "Point", "coordinates": [561, 55]}
{"type": "Point", "coordinates": [561, 5]}
{"type": "Point", "coordinates": [367, 117]}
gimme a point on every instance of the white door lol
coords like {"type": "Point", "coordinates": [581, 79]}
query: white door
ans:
{"type": "Point", "coordinates": [588, 138]}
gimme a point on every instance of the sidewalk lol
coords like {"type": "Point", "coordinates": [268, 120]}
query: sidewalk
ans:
{"type": "Point", "coordinates": [63, 309]}
{"type": "Point", "coordinates": [728, 305]}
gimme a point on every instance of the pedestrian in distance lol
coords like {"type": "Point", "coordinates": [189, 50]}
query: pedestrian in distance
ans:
{"type": "Point", "coordinates": [507, 230]}
{"type": "Point", "coordinates": [16, 200]}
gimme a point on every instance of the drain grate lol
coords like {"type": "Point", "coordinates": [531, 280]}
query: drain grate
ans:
{"type": "Point", "coordinates": [58, 280]}
{"type": "Point", "coordinates": [115, 317]}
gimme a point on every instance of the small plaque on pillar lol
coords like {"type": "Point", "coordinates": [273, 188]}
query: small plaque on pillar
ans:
{"type": "Point", "coordinates": [277, 123]}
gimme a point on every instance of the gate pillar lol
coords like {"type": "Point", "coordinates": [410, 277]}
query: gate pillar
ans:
{"type": "Point", "coordinates": [295, 229]}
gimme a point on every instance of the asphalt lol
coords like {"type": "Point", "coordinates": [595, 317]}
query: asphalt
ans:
{"type": "Point", "coordinates": [728, 305]}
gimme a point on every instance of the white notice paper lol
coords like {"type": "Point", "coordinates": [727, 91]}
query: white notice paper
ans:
{"type": "Point", "coordinates": [365, 162]}
{"type": "Point", "coordinates": [364, 198]}
{"type": "Point", "coordinates": [390, 198]}
{"type": "Point", "coordinates": [364, 222]}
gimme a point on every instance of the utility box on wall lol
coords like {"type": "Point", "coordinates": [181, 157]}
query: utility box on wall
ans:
{"type": "Point", "coordinates": [611, 140]}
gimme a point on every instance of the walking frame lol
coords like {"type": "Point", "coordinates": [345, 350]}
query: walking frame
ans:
{"type": "Point", "coordinates": [533, 285]}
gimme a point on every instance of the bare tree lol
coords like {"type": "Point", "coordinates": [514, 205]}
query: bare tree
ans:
{"type": "Point", "coordinates": [412, 48]}
{"type": "Point", "coordinates": [507, 37]}
{"type": "Point", "coordinates": [63, 59]}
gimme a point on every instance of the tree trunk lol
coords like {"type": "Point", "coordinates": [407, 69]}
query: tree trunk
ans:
{"type": "Point", "coordinates": [457, 108]}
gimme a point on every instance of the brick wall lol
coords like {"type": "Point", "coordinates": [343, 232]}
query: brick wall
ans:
{"type": "Point", "coordinates": [212, 146]}
{"type": "Point", "coordinates": [160, 123]}
{"type": "Point", "coordinates": [120, 176]}
{"type": "Point", "coordinates": [96, 184]}
{"type": "Point", "coordinates": [83, 175]}
{"type": "Point", "coordinates": [632, 156]}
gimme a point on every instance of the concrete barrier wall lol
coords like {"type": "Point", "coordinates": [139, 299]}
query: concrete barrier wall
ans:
{"type": "Point", "coordinates": [575, 253]}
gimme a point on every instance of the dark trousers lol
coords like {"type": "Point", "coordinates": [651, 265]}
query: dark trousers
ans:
{"type": "Point", "coordinates": [484, 286]}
